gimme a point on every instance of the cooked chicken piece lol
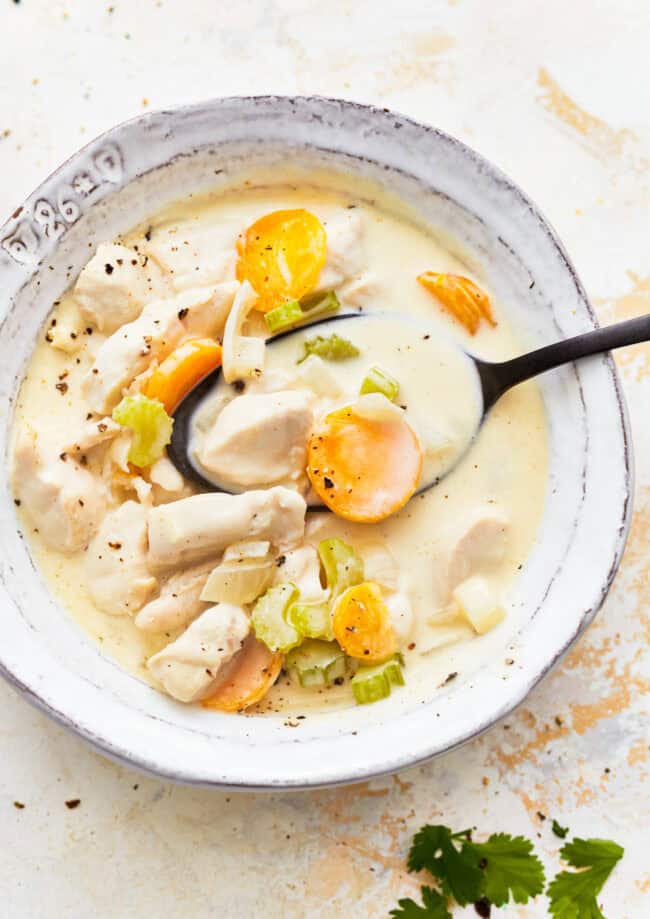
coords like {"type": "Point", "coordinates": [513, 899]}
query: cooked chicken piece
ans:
{"type": "Point", "coordinates": [166, 476]}
{"type": "Point", "coordinates": [65, 500]}
{"type": "Point", "coordinates": [193, 528]}
{"type": "Point", "coordinates": [115, 285]}
{"type": "Point", "coordinates": [482, 545]}
{"type": "Point", "coordinates": [379, 564]}
{"type": "Point", "coordinates": [162, 325]}
{"type": "Point", "coordinates": [345, 256]}
{"type": "Point", "coordinates": [117, 565]}
{"type": "Point", "coordinates": [195, 253]}
{"type": "Point", "coordinates": [317, 376]}
{"type": "Point", "coordinates": [178, 603]}
{"type": "Point", "coordinates": [188, 668]}
{"type": "Point", "coordinates": [259, 440]}
{"type": "Point", "coordinates": [243, 356]}
{"type": "Point", "coordinates": [401, 614]}
{"type": "Point", "coordinates": [93, 433]}
{"type": "Point", "coordinates": [302, 567]}
{"type": "Point", "coordinates": [66, 335]}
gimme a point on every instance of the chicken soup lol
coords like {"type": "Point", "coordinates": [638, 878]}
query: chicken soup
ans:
{"type": "Point", "coordinates": [322, 570]}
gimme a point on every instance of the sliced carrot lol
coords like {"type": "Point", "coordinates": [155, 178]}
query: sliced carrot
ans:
{"type": "Point", "coordinates": [182, 370]}
{"type": "Point", "coordinates": [281, 256]}
{"type": "Point", "coordinates": [463, 298]}
{"type": "Point", "coordinates": [361, 623]}
{"type": "Point", "coordinates": [363, 469]}
{"type": "Point", "coordinates": [254, 674]}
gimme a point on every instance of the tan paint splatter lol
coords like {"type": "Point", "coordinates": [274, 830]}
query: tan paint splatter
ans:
{"type": "Point", "coordinates": [419, 62]}
{"type": "Point", "coordinates": [638, 753]}
{"type": "Point", "coordinates": [644, 884]}
{"type": "Point", "coordinates": [585, 717]}
{"type": "Point", "coordinates": [595, 134]}
{"type": "Point", "coordinates": [635, 361]}
{"type": "Point", "coordinates": [335, 873]}
{"type": "Point", "coordinates": [526, 751]}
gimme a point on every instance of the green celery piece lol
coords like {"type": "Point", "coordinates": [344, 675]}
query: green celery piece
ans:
{"type": "Point", "coordinates": [343, 567]}
{"type": "Point", "coordinates": [330, 348]}
{"type": "Point", "coordinates": [284, 316]}
{"type": "Point", "coordinates": [317, 306]}
{"type": "Point", "coordinates": [313, 620]}
{"type": "Point", "coordinates": [269, 618]}
{"type": "Point", "coordinates": [370, 684]}
{"type": "Point", "coordinates": [151, 427]}
{"type": "Point", "coordinates": [316, 663]}
{"type": "Point", "coordinates": [377, 380]}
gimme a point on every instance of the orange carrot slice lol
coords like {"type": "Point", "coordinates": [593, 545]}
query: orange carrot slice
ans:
{"type": "Point", "coordinates": [361, 624]}
{"type": "Point", "coordinates": [182, 370]}
{"type": "Point", "coordinates": [281, 256]}
{"type": "Point", "coordinates": [256, 670]}
{"type": "Point", "coordinates": [461, 297]}
{"type": "Point", "coordinates": [362, 468]}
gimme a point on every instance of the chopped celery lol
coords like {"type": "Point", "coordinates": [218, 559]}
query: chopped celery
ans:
{"type": "Point", "coordinates": [293, 312]}
{"type": "Point", "coordinates": [151, 426]}
{"type": "Point", "coordinates": [316, 306]}
{"type": "Point", "coordinates": [330, 348]}
{"type": "Point", "coordinates": [284, 316]}
{"type": "Point", "coordinates": [370, 684]}
{"type": "Point", "coordinates": [316, 663]}
{"type": "Point", "coordinates": [313, 620]}
{"type": "Point", "coordinates": [269, 618]}
{"type": "Point", "coordinates": [377, 380]}
{"type": "Point", "coordinates": [343, 567]}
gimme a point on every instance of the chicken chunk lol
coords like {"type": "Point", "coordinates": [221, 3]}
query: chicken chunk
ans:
{"type": "Point", "coordinates": [195, 253]}
{"type": "Point", "coordinates": [188, 668]}
{"type": "Point", "coordinates": [259, 440]}
{"type": "Point", "coordinates": [114, 287]}
{"type": "Point", "coordinates": [117, 564]}
{"type": "Point", "coordinates": [161, 326]}
{"type": "Point", "coordinates": [178, 603]}
{"type": "Point", "coordinates": [65, 501]}
{"type": "Point", "coordinates": [302, 567]}
{"type": "Point", "coordinates": [193, 528]}
{"type": "Point", "coordinates": [92, 434]}
{"type": "Point", "coordinates": [482, 544]}
{"type": "Point", "coordinates": [345, 260]}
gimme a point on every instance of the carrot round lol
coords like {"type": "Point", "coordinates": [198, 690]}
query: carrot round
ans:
{"type": "Point", "coordinates": [281, 255]}
{"type": "Point", "coordinates": [256, 670]}
{"type": "Point", "coordinates": [363, 469]}
{"type": "Point", "coordinates": [182, 370]}
{"type": "Point", "coordinates": [361, 623]}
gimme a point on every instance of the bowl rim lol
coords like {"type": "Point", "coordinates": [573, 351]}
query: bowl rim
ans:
{"type": "Point", "coordinates": [406, 760]}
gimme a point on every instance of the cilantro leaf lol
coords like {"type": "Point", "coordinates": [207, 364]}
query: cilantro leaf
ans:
{"type": "Point", "coordinates": [559, 830]}
{"type": "Point", "coordinates": [433, 848]}
{"type": "Point", "coordinates": [435, 907]}
{"type": "Point", "coordinates": [573, 893]}
{"type": "Point", "coordinates": [511, 868]}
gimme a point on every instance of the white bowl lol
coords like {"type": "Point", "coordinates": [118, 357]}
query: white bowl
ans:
{"type": "Point", "coordinates": [132, 171]}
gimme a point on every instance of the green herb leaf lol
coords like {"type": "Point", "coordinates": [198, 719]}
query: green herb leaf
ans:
{"type": "Point", "coordinates": [433, 848]}
{"type": "Point", "coordinates": [435, 907]}
{"type": "Point", "coordinates": [573, 893]}
{"type": "Point", "coordinates": [511, 868]}
{"type": "Point", "coordinates": [330, 348]}
{"type": "Point", "coordinates": [559, 830]}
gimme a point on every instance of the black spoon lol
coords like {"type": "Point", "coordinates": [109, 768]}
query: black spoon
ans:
{"type": "Point", "coordinates": [495, 379]}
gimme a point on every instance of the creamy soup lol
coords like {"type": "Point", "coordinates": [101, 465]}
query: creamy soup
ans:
{"type": "Point", "coordinates": [326, 573]}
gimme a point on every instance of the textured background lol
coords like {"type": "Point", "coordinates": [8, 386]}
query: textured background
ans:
{"type": "Point", "coordinates": [556, 92]}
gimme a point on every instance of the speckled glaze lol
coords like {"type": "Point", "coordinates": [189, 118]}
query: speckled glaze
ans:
{"type": "Point", "coordinates": [132, 171]}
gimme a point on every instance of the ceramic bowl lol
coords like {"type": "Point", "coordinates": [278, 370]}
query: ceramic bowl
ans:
{"type": "Point", "coordinates": [132, 171]}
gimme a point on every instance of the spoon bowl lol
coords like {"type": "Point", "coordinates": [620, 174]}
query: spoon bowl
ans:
{"type": "Point", "coordinates": [493, 379]}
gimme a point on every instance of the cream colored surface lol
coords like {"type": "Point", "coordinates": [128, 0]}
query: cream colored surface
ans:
{"type": "Point", "coordinates": [552, 92]}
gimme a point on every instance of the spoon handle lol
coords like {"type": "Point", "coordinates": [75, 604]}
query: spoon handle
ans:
{"type": "Point", "coordinates": [497, 378]}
